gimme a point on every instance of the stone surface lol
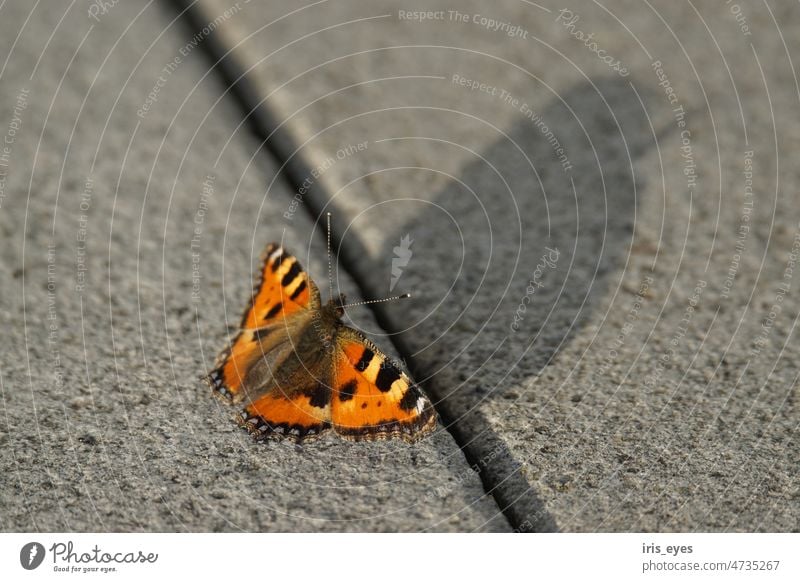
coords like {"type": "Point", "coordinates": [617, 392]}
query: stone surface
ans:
{"type": "Point", "coordinates": [133, 210]}
{"type": "Point", "coordinates": [647, 382]}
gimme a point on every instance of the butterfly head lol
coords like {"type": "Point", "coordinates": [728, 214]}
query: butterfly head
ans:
{"type": "Point", "coordinates": [336, 305]}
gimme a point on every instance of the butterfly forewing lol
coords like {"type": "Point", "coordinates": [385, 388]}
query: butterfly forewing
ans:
{"type": "Point", "coordinates": [283, 288]}
{"type": "Point", "coordinates": [284, 295]}
{"type": "Point", "coordinates": [372, 398]}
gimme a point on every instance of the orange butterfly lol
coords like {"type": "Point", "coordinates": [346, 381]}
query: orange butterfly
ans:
{"type": "Point", "coordinates": [302, 371]}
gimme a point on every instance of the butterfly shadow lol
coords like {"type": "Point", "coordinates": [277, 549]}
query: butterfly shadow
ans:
{"type": "Point", "coordinates": [517, 227]}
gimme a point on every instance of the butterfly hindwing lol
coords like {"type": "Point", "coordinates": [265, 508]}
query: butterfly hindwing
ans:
{"type": "Point", "coordinates": [227, 379]}
{"type": "Point", "coordinates": [295, 401]}
{"type": "Point", "coordinates": [301, 415]}
{"type": "Point", "coordinates": [372, 399]}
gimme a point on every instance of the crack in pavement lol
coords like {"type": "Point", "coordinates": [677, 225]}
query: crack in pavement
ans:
{"type": "Point", "coordinates": [505, 487]}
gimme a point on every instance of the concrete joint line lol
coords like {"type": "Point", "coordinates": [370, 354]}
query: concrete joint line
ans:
{"type": "Point", "coordinates": [265, 125]}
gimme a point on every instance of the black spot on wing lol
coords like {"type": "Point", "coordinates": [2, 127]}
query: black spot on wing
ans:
{"type": "Point", "coordinates": [260, 334]}
{"type": "Point", "coordinates": [274, 311]}
{"type": "Point", "coordinates": [347, 390]}
{"type": "Point", "coordinates": [410, 398]}
{"type": "Point", "coordinates": [366, 358]}
{"type": "Point", "coordinates": [293, 271]}
{"type": "Point", "coordinates": [319, 396]}
{"type": "Point", "coordinates": [386, 376]}
{"type": "Point", "coordinates": [299, 290]}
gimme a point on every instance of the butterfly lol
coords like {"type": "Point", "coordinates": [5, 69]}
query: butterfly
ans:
{"type": "Point", "coordinates": [301, 371]}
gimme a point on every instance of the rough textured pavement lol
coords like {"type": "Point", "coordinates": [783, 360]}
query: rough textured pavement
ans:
{"type": "Point", "coordinates": [601, 199]}
{"type": "Point", "coordinates": [156, 222]}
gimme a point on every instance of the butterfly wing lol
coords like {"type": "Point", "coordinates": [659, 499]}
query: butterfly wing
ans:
{"type": "Point", "coordinates": [283, 289]}
{"type": "Point", "coordinates": [301, 412]}
{"type": "Point", "coordinates": [282, 300]}
{"type": "Point", "coordinates": [372, 399]}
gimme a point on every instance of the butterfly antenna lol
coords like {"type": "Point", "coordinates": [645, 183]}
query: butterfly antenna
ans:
{"type": "Point", "coordinates": [330, 262]}
{"type": "Point", "coordinates": [403, 296]}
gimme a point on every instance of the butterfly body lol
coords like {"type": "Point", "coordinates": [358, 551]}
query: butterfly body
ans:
{"type": "Point", "coordinates": [301, 371]}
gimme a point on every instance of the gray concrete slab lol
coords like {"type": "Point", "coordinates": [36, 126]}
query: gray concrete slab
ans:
{"type": "Point", "coordinates": [594, 273]}
{"type": "Point", "coordinates": [133, 211]}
